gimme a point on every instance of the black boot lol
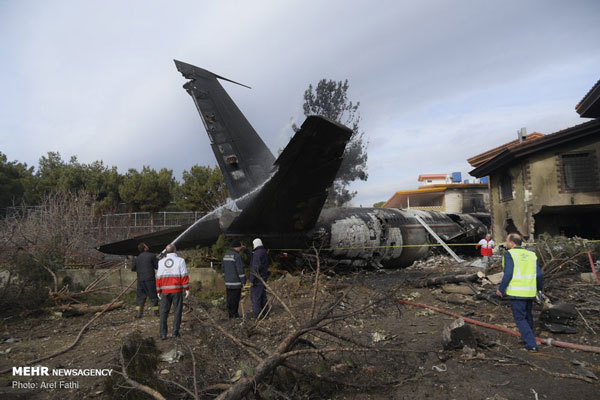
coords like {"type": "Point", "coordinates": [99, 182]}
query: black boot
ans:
{"type": "Point", "coordinates": [139, 313]}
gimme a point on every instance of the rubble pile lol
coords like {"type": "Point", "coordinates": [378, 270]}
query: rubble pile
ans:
{"type": "Point", "coordinates": [432, 262]}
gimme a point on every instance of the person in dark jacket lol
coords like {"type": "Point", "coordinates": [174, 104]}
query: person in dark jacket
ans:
{"type": "Point", "coordinates": [259, 266]}
{"type": "Point", "coordinates": [235, 278]}
{"type": "Point", "coordinates": [145, 264]}
{"type": "Point", "coordinates": [522, 280]}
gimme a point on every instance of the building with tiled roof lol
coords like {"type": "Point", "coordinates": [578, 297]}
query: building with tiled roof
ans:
{"type": "Point", "coordinates": [479, 159]}
{"type": "Point", "coordinates": [548, 184]}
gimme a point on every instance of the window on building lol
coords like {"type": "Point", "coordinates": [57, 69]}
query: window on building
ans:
{"type": "Point", "coordinates": [473, 202]}
{"type": "Point", "coordinates": [580, 172]}
{"type": "Point", "coordinates": [506, 187]}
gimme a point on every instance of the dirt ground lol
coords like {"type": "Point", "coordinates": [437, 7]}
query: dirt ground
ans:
{"type": "Point", "coordinates": [410, 362]}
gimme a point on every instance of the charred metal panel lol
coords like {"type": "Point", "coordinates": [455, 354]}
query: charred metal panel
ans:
{"type": "Point", "coordinates": [243, 157]}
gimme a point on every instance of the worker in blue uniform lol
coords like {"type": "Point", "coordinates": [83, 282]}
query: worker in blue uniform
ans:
{"type": "Point", "coordinates": [259, 272]}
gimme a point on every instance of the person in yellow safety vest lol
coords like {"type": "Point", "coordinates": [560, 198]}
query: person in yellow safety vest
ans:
{"type": "Point", "coordinates": [522, 280]}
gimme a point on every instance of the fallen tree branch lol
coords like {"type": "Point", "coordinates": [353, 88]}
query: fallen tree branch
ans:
{"type": "Point", "coordinates": [179, 385]}
{"type": "Point", "coordinates": [440, 280]}
{"type": "Point", "coordinates": [316, 285]}
{"type": "Point", "coordinates": [193, 369]}
{"type": "Point", "coordinates": [244, 385]}
{"type": "Point", "coordinates": [137, 385]}
{"type": "Point", "coordinates": [343, 338]}
{"type": "Point", "coordinates": [243, 344]}
{"type": "Point", "coordinates": [102, 277]}
{"type": "Point", "coordinates": [65, 296]}
{"type": "Point", "coordinates": [294, 353]}
{"type": "Point", "coordinates": [533, 365]}
{"type": "Point", "coordinates": [85, 308]}
{"type": "Point", "coordinates": [4, 371]}
{"type": "Point", "coordinates": [586, 323]}
{"type": "Point", "coordinates": [285, 306]}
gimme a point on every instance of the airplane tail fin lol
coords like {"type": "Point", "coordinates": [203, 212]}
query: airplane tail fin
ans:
{"type": "Point", "coordinates": [291, 201]}
{"type": "Point", "coordinates": [244, 159]}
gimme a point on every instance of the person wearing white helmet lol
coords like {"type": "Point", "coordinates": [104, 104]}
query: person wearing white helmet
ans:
{"type": "Point", "coordinates": [259, 267]}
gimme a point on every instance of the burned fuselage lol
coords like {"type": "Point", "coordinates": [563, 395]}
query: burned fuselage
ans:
{"type": "Point", "coordinates": [389, 237]}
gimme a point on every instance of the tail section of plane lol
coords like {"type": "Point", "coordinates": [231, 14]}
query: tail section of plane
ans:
{"type": "Point", "coordinates": [291, 200]}
{"type": "Point", "coordinates": [244, 159]}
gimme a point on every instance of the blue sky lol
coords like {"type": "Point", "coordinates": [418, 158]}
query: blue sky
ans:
{"type": "Point", "coordinates": [438, 81]}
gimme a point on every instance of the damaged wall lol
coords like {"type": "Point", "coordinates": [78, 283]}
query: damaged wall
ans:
{"type": "Point", "coordinates": [123, 277]}
{"type": "Point", "coordinates": [540, 193]}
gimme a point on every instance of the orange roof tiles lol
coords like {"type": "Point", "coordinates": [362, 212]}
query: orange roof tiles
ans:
{"type": "Point", "coordinates": [479, 159]}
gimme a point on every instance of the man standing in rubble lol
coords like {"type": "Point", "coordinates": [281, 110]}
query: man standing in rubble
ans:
{"type": "Point", "coordinates": [522, 280]}
{"type": "Point", "coordinates": [259, 267]}
{"type": "Point", "coordinates": [144, 265]}
{"type": "Point", "coordinates": [171, 280]}
{"type": "Point", "coordinates": [487, 246]}
{"type": "Point", "coordinates": [235, 278]}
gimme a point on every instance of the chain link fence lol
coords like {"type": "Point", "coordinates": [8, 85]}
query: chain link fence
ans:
{"type": "Point", "coordinates": [125, 225]}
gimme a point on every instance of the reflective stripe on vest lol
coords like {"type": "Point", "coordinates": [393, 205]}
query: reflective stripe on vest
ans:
{"type": "Point", "coordinates": [524, 279]}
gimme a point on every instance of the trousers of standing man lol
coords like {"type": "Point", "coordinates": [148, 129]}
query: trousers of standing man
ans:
{"type": "Point", "coordinates": [258, 294]}
{"type": "Point", "coordinates": [523, 315]}
{"type": "Point", "coordinates": [233, 302]}
{"type": "Point", "coordinates": [146, 289]}
{"type": "Point", "coordinates": [168, 300]}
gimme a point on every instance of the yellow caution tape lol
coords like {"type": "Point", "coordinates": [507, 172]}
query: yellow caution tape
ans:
{"type": "Point", "coordinates": [406, 245]}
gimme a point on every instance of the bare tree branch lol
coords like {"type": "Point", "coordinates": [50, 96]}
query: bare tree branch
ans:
{"type": "Point", "coordinates": [245, 345]}
{"type": "Point", "coordinates": [193, 368]}
{"type": "Point", "coordinates": [316, 284]}
{"type": "Point", "coordinates": [137, 385]}
{"type": "Point", "coordinates": [283, 303]}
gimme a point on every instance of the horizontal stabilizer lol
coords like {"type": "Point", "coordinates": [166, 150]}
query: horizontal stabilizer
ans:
{"type": "Point", "coordinates": [156, 241]}
{"type": "Point", "coordinates": [203, 232]}
{"type": "Point", "coordinates": [292, 199]}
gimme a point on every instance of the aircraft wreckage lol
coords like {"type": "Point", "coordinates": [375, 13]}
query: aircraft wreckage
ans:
{"type": "Point", "coordinates": [281, 200]}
